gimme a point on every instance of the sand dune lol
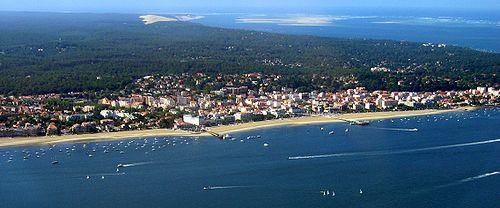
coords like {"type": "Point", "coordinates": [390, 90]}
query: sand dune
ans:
{"type": "Point", "coordinates": [151, 19]}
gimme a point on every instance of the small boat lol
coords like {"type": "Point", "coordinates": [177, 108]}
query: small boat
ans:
{"type": "Point", "coordinates": [55, 162]}
{"type": "Point", "coordinates": [323, 192]}
{"type": "Point", "coordinates": [102, 177]}
{"type": "Point", "coordinates": [322, 128]}
{"type": "Point", "coordinates": [206, 188]}
{"type": "Point", "coordinates": [333, 193]}
{"type": "Point", "coordinates": [327, 192]}
{"type": "Point", "coordinates": [88, 177]}
{"type": "Point", "coordinates": [360, 191]}
{"type": "Point", "coordinates": [331, 132]}
{"type": "Point", "coordinates": [266, 145]}
{"type": "Point", "coordinates": [346, 130]}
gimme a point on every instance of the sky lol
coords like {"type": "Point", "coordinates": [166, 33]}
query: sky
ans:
{"type": "Point", "coordinates": [172, 5]}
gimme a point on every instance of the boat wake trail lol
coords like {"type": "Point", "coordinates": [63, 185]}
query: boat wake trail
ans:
{"type": "Point", "coordinates": [393, 152]}
{"type": "Point", "coordinates": [459, 182]}
{"type": "Point", "coordinates": [136, 164]}
{"type": "Point", "coordinates": [106, 174]}
{"type": "Point", "coordinates": [395, 129]}
{"type": "Point", "coordinates": [224, 187]}
{"type": "Point", "coordinates": [465, 180]}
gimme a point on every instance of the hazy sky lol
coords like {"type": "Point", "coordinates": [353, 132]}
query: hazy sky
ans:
{"type": "Point", "coordinates": [166, 5]}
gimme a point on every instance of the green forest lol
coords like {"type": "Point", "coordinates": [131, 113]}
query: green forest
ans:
{"type": "Point", "coordinates": [58, 52]}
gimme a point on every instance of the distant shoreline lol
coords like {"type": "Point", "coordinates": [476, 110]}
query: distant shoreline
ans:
{"type": "Point", "coordinates": [111, 136]}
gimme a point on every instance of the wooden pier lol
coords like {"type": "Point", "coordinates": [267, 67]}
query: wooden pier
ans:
{"type": "Point", "coordinates": [215, 134]}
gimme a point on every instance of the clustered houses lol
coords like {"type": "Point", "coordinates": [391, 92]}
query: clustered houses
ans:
{"type": "Point", "coordinates": [193, 101]}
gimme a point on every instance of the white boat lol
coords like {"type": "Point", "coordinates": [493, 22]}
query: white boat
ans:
{"type": "Point", "coordinates": [346, 130]}
{"type": "Point", "coordinates": [333, 193]}
{"type": "Point", "coordinates": [360, 191]}
{"type": "Point", "coordinates": [266, 145]}
{"type": "Point", "coordinates": [331, 132]}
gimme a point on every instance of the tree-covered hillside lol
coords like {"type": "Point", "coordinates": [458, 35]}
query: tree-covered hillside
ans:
{"type": "Point", "coordinates": [57, 52]}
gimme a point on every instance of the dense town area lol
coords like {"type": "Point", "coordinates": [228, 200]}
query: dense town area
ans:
{"type": "Point", "coordinates": [194, 101]}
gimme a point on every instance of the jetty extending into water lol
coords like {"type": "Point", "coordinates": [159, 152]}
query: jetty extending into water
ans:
{"type": "Point", "coordinates": [215, 134]}
{"type": "Point", "coordinates": [353, 122]}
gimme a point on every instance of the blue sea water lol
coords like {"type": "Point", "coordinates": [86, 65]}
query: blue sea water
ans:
{"type": "Point", "coordinates": [477, 29]}
{"type": "Point", "coordinates": [451, 161]}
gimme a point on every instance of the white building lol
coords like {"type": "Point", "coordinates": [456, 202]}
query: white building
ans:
{"type": "Point", "coordinates": [242, 116]}
{"type": "Point", "coordinates": [194, 120]}
{"type": "Point", "coordinates": [108, 114]}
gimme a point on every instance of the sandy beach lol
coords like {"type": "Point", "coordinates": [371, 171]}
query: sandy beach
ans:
{"type": "Point", "coordinates": [26, 141]}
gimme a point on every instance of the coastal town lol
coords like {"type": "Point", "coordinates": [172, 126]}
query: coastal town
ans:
{"type": "Point", "coordinates": [193, 102]}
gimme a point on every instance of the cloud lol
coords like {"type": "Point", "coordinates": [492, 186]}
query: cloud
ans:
{"type": "Point", "coordinates": [387, 22]}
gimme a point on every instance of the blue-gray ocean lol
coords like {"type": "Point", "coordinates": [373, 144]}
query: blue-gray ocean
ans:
{"type": "Point", "coordinates": [451, 161]}
{"type": "Point", "coordinates": [477, 29]}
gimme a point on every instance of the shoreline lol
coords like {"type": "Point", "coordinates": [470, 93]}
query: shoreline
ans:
{"type": "Point", "coordinates": [330, 119]}
{"type": "Point", "coordinates": [123, 135]}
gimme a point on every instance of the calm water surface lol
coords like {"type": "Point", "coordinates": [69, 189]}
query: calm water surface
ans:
{"type": "Point", "coordinates": [451, 161]}
{"type": "Point", "coordinates": [469, 28]}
